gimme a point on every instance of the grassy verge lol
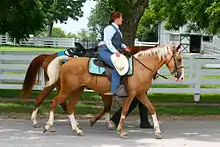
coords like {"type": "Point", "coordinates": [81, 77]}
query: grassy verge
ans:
{"type": "Point", "coordinates": [7, 107]}
{"type": "Point", "coordinates": [27, 107]}
{"type": "Point", "coordinates": [24, 48]}
{"type": "Point", "coordinates": [88, 96]}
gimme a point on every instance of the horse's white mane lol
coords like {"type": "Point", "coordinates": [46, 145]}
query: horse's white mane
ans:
{"type": "Point", "coordinates": [161, 52]}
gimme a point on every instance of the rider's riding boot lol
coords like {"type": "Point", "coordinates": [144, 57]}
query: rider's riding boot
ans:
{"type": "Point", "coordinates": [144, 117]}
{"type": "Point", "coordinates": [117, 116]}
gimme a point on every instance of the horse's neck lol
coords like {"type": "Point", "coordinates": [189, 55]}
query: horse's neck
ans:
{"type": "Point", "coordinates": [151, 62]}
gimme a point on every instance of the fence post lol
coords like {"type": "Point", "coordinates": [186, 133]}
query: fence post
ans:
{"type": "Point", "coordinates": [1, 61]}
{"type": "Point", "coordinates": [197, 73]}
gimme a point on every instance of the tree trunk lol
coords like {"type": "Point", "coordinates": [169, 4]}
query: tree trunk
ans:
{"type": "Point", "coordinates": [130, 23]}
{"type": "Point", "coordinates": [49, 29]}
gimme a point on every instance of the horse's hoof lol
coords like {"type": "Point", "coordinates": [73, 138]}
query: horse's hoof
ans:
{"type": "Point", "coordinates": [45, 130]}
{"type": "Point", "coordinates": [52, 129]}
{"type": "Point", "coordinates": [158, 135]}
{"type": "Point", "coordinates": [80, 133]}
{"type": "Point", "coordinates": [111, 126]}
{"type": "Point", "coordinates": [124, 135]}
{"type": "Point", "coordinates": [36, 125]}
{"type": "Point", "coordinates": [92, 121]}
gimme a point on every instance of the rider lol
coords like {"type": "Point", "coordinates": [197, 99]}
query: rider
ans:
{"type": "Point", "coordinates": [111, 43]}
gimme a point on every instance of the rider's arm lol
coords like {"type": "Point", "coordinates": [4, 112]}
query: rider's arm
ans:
{"type": "Point", "coordinates": [123, 46]}
{"type": "Point", "coordinates": [109, 32]}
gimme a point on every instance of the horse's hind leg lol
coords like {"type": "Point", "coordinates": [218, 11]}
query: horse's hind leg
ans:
{"type": "Point", "coordinates": [71, 108]}
{"type": "Point", "coordinates": [107, 107]}
{"type": "Point", "coordinates": [39, 99]}
{"type": "Point", "coordinates": [146, 102]}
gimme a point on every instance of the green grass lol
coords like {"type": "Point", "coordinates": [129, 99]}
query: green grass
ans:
{"type": "Point", "coordinates": [210, 77]}
{"type": "Point", "coordinates": [194, 110]}
{"type": "Point", "coordinates": [24, 48]}
{"type": "Point", "coordinates": [85, 108]}
{"type": "Point", "coordinates": [7, 93]}
{"type": "Point", "coordinates": [88, 96]}
{"type": "Point", "coordinates": [27, 107]}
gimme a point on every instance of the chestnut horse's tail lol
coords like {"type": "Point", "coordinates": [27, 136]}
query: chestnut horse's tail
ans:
{"type": "Point", "coordinates": [54, 69]}
{"type": "Point", "coordinates": [30, 77]}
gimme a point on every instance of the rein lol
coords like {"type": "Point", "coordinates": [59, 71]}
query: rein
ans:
{"type": "Point", "coordinates": [149, 68]}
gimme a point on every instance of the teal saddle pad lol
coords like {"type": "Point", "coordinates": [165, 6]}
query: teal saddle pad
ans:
{"type": "Point", "coordinates": [61, 53]}
{"type": "Point", "coordinates": [95, 69]}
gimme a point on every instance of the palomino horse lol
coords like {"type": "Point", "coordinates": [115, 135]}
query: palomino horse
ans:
{"type": "Point", "coordinates": [42, 61]}
{"type": "Point", "coordinates": [74, 76]}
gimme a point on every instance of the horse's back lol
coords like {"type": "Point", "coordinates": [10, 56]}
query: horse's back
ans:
{"type": "Point", "coordinates": [79, 64]}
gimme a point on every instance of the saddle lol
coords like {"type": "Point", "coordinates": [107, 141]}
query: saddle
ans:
{"type": "Point", "coordinates": [105, 70]}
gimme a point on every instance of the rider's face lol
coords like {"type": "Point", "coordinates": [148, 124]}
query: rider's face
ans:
{"type": "Point", "coordinates": [119, 20]}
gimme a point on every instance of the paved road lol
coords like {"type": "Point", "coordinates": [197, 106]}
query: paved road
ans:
{"type": "Point", "coordinates": [19, 133]}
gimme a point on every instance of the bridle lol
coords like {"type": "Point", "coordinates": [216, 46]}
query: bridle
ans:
{"type": "Point", "coordinates": [175, 64]}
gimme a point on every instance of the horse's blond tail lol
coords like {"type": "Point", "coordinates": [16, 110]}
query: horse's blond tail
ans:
{"type": "Point", "coordinates": [53, 70]}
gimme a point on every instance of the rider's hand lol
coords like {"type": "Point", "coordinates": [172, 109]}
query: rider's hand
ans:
{"type": "Point", "coordinates": [117, 54]}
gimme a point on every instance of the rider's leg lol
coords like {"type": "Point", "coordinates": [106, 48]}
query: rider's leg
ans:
{"type": "Point", "coordinates": [105, 54]}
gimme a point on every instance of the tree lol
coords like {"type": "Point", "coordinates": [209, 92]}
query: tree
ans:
{"type": "Point", "coordinates": [58, 32]}
{"type": "Point", "coordinates": [61, 10]}
{"type": "Point", "coordinates": [132, 11]}
{"type": "Point", "coordinates": [202, 15]}
{"type": "Point", "coordinates": [148, 27]}
{"type": "Point", "coordinates": [70, 35]}
{"type": "Point", "coordinates": [20, 18]}
{"type": "Point", "coordinates": [83, 34]}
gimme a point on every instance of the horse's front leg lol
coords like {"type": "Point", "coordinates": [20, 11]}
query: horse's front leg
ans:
{"type": "Point", "coordinates": [125, 107]}
{"type": "Point", "coordinates": [143, 98]}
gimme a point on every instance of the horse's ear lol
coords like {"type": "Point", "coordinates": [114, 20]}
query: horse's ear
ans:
{"type": "Point", "coordinates": [178, 47]}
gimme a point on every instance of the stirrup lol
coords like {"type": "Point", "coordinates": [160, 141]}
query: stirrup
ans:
{"type": "Point", "coordinates": [109, 93]}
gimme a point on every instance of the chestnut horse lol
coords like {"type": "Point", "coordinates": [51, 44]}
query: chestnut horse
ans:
{"type": "Point", "coordinates": [42, 61]}
{"type": "Point", "coordinates": [74, 77]}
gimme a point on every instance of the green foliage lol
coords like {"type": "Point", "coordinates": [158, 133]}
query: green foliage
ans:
{"type": "Point", "coordinates": [99, 16]}
{"type": "Point", "coordinates": [101, 13]}
{"type": "Point", "coordinates": [70, 35]}
{"type": "Point", "coordinates": [58, 32]}
{"type": "Point", "coordinates": [132, 10]}
{"type": "Point", "coordinates": [83, 34]}
{"type": "Point", "coordinates": [60, 10]}
{"type": "Point", "coordinates": [86, 35]}
{"type": "Point", "coordinates": [19, 18]}
{"type": "Point", "coordinates": [202, 15]}
{"type": "Point", "coordinates": [147, 27]}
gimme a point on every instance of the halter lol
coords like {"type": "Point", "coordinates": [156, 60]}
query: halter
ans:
{"type": "Point", "coordinates": [175, 65]}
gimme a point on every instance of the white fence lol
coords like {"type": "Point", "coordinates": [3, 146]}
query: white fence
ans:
{"type": "Point", "coordinates": [47, 42]}
{"type": "Point", "coordinates": [60, 42]}
{"type": "Point", "coordinates": [13, 66]}
{"type": "Point", "coordinates": [212, 47]}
